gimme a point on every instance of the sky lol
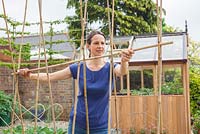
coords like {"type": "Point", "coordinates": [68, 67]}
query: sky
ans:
{"type": "Point", "coordinates": [177, 12]}
{"type": "Point", "coordinates": [180, 10]}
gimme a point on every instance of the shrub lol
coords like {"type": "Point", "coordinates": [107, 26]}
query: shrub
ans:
{"type": "Point", "coordinates": [195, 97]}
{"type": "Point", "coordinates": [5, 108]}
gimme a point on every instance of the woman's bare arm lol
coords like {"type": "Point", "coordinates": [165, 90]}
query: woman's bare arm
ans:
{"type": "Point", "coordinates": [122, 69]}
{"type": "Point", "coordinates": [58, 75]}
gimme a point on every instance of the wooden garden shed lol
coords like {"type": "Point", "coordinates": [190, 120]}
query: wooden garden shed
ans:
{"type": "Point", "coordinates": [135, 107]}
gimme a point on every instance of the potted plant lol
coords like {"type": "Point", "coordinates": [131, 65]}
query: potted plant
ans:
{"type": "Point", "coordinates": [5, 108]}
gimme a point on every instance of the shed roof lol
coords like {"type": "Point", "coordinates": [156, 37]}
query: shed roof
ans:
{"type": "Point", "coordinates": [65, 46]}
{"type": "Point", "coordinates": [173, 52]}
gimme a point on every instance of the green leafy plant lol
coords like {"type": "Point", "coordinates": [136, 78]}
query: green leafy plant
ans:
{"type": "Point", "coordinates": [171, 88]}
{"type": "Point", "coordinates": [142, 91]}
{"type": "Point", "coordinates": [123, 92]}
{"type": "Point", "coordinates": [196, 123]}
{"type": "Point", "coordinates": [39, 130]}
{"type": "Point", "coordinates": [153, 131]}
{"type": "Point", "coordinates": [135, 92]}
{"type": "Point", "coordinates": [143, 131]}
{"type": "Point", "coordinates": [168, 88]}
{"type": "Point", "coordinates": [6, 103]}
{"type": "Point", "coordinates": [5, 108]}
{"type": "Point", "coordinates": [146, 91]}
{"type": "Point", "coordinates": [195, 97]}
{"type": "Point", "coordinates": [164, 131]}
{"type": "Point", "coordinates": [26, 46]}
{"type": "Point", "coordinates": [195, 92]}
{"type": "Point", "coordinates": [133, 131]}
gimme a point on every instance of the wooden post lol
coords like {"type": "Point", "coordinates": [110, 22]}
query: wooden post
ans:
{"type": "Point", "coordinates": [159, 24]}
{"type": "Point", "coordinates": [187, 92]}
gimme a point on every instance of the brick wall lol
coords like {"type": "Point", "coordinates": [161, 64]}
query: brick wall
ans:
{"type": "Point", "coordinates": [61, 91]}
{"type": "Point", "coordinates": [6, 80]}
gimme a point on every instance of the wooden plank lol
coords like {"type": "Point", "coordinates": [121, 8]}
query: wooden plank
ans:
{"type": "Point", "coordinates": [123, 107]}
{"type": "Point", "coordinates": [141, 112]}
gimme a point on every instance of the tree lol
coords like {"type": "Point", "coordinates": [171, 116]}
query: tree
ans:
{"type": "Point", "coordinates": [195, 96]}
{"type": "Point", "coordinates": [194, 53]}
{"type": "Point", "coordinates": [131, 17]}
{"type": "Point", "coordinates": [166, 28]}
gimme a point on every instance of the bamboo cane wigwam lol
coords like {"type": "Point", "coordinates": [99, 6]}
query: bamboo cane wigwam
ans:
{"type": "Point", "coordinates": [117, 53]}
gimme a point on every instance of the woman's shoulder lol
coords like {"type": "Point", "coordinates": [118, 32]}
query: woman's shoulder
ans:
{"type": "Point", "coordinates": [75, 65]}
{"type": "Point", "coordinates": [108, 63]}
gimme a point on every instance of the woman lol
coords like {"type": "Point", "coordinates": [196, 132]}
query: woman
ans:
{"type": "Point", "coordinates": [97, 73]}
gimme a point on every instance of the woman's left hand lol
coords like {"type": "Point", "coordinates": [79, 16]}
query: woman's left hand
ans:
{"type": "Point", "coordinates": [126, 55]}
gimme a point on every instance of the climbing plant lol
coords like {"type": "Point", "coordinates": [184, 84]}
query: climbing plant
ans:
{"type": "Point", "coordinates": [26, 47]}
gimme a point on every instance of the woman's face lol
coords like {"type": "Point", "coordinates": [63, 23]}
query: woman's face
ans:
{"type": "Point", "coordinates": [97, 45]}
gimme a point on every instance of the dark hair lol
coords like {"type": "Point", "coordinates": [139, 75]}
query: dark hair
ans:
{"type": "Point", "coordinates": [93, 33]}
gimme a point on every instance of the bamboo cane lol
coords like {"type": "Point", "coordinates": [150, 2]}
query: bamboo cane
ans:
{"type": "Point", "coordinates": [96, 57]}
{"type": "Point", "coordinates": [109, 27]}
{"type": "Point", "coordinates": [83, 22]}
{"type": "Point", "coordinates": [19, 61]}
{"type": "Point", "coordinates": [76, 99]}
{"type": "Point", "coordinates": [28, 110]}
{"type": "Point", "coordinates": [37, 86]}
{"type": "Point", "coordinates": [22, 37]}
{"type": "Point", "coordinates": [16, 91]}
{"type": "Point", "coordinates": [47, 69]}
{"type": "Point", "coordinates": [112, 74]}
{"type": "Point", "coordinates": [150, 46]}
{"type": "Point", "coordinates": [159, 24]}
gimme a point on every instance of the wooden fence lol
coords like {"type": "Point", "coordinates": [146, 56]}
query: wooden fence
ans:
{"type": "Point", "coordinates": [140, 112]}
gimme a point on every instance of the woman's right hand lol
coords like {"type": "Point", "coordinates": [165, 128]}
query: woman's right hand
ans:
{"type": "Point", "coordinates": [24, 72]}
